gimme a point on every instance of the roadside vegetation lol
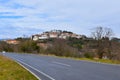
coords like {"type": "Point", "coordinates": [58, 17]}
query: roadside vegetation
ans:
{"type": "Point", "coordinates": [9, 70]}
{"type": "Point", "coordinates": [99, 47]}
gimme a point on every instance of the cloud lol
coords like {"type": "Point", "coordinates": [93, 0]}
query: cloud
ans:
{"type": "Point", "coordinates": [79, 16]}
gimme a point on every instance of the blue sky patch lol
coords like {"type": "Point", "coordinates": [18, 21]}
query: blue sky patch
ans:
{"type": "Point", "coordinates": [11, 17]}
{"type": "Point", "coordinates": [4, 13]}
{"type": "Point", "coordinates": [4, 1]}
{"type": "Point", "coordinates": [17, 6]}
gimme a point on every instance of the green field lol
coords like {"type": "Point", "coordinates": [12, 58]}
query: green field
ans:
{"type": "Point", "coordinates": [10, 70]}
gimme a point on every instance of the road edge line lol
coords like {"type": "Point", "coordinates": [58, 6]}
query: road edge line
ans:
{"type": "Point", "coordinates": [37, 70]}
{"type": "Point", "coordinates": [28, 70]}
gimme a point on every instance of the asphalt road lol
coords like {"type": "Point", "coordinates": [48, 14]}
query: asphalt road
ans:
{"type": "Point", "coordinates": [52, 68]}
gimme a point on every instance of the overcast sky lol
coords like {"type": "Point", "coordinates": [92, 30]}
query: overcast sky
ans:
{"type": "Point", "coordinates": [27, 17]}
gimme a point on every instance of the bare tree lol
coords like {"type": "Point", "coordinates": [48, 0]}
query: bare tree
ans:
{"type": "Point", "coordinates": [102, 36]}
{"type": "Point", "coordinates": [100, 33]}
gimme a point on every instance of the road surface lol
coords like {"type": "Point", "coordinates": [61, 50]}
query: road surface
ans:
{"type": "Point", "coordinates": [53, 68]}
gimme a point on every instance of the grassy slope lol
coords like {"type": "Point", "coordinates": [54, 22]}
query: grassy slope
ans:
{"type": "Point", "coordinates": [9, 70]}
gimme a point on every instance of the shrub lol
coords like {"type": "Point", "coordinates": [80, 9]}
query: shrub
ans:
{"type": "Point", "coordinates": [89, 55]}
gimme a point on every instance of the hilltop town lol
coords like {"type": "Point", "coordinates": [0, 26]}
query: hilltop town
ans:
{"type": "Point", "coordinates": [56, 34]}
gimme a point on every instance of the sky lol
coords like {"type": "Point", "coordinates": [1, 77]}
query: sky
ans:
{"type": "Point", "coordinates": [27, 17]}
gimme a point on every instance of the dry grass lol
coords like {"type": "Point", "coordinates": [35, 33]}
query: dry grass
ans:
{"type": "Point", "coordinates": [9, 70]}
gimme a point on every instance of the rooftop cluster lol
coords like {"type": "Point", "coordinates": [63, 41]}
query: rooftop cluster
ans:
{"type": "Point", "coordinates": [56, 34]}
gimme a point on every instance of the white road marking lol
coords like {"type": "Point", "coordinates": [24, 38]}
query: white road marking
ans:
{"type": "Point", "coordinates": [37, 70]}
{"type": "Point", "coordinates": [28, 70]}
{"type": "Point", "coordinates": [61, 64]}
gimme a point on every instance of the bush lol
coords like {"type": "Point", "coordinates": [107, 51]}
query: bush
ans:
{"type": "Point", "coordinates": [61, 48]}
{"type": "Point", "coordinates": [29, 46]}
{"type": "Point", "coordinates": [89, 55]}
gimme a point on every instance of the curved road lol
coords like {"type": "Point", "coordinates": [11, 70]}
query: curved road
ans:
{"type": "Point", "coordinates": [52, 68]}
